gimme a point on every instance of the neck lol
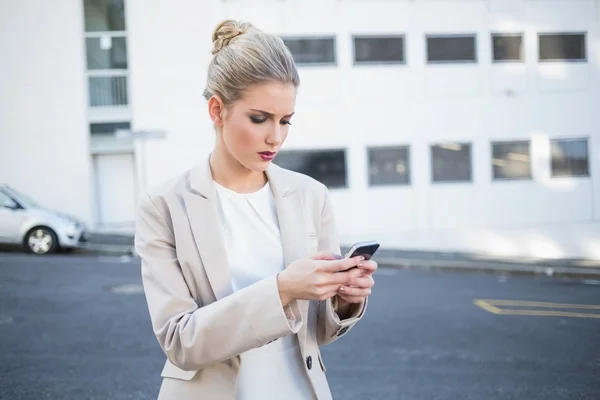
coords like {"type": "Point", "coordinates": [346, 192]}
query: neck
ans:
{"type": "Point", "coordinates": [228, 172]}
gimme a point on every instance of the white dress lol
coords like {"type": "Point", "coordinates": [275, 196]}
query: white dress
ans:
{"type": "Point", "coordinates": [255, 252]}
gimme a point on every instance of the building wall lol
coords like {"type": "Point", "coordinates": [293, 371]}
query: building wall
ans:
{"type": "Point", "coordinates": [416, 104]}
{"type": "Point", "coordinates": [43, 132]}
{"type": "Point", "coordinates": [342, 106]}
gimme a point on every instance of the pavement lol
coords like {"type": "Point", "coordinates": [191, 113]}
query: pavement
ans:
{"type": "Point", "coordinates": [77, 326]}
{"type": "Point", "coordinates": [122, 244]}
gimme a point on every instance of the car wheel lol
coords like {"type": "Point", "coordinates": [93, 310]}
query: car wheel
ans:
{"type": "Point", "coordinates": [41, 240]}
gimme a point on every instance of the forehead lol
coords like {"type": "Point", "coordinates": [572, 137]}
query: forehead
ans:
{"type": "Point", "coordinates": [275, 98]}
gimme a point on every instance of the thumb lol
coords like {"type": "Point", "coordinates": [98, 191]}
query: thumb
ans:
{"type": "Point", "coordinates": [326, 255]}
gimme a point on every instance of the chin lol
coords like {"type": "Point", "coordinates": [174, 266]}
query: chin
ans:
{"type": "Point", "coordinates": [258, 166]}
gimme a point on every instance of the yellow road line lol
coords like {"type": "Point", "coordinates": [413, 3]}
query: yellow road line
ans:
{"type": "Point", "coordinates": [518, 303]}
{"type": "Point", "coordinates": [490, 306]}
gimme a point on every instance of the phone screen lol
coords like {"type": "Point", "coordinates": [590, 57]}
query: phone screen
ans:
{"type": "Point", "coordinates": [365, 249]}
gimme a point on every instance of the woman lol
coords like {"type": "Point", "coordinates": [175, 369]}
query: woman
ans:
{"type": "Point", "coordinates": [239, 256]}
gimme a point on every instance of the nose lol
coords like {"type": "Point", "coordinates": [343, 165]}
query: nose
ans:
{"type": "Point", "coordinates": [275, 136]}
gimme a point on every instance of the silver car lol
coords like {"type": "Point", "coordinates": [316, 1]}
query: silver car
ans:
{"type": "Point", "coordinates": [39, 230]}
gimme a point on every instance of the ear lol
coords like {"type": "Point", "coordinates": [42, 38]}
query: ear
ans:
{"type": "Point", "coordinates": [215, 110]}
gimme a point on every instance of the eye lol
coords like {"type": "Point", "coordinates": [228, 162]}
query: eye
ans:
{"type": "Point", "coordinates": [285, 123]}
{"type": "Point", "coordinates": [258, 120]}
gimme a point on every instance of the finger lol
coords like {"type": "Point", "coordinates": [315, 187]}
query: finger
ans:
{"type": "Point", "coordinates": [326, 255]}
{"type": "Point", "coordinates": [341, 265]}
{"type": "Point", "coordinates": [354, 292]}
{"type": "Point", "coordinates": [369, 266]}
{"type": "Point", "coordinates": [343, 278]}
{"type": "Point", "coordinates": [362, 282]}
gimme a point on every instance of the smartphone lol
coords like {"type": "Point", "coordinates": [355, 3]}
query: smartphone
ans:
{"type": "Point", "coordinates": [365, 249]}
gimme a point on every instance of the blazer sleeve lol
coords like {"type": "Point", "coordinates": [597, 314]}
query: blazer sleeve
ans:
{"type": "Point", "coordinates": [329, 326]}
{"type": "Point", "coordinates": [194, 337]}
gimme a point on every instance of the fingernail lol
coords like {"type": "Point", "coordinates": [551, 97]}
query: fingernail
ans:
{"type": "Point", "coordinates": [338, 257]}
{"type": "Point", "coordinates": [362, 258]}
{"type": "Point", "coordinates": [342, 289]}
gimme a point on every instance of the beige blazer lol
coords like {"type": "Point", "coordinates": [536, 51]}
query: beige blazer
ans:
{"type": "Point", "coordinates": [201, 325]}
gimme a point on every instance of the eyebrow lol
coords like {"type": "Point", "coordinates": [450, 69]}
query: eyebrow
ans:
{"type": "Point", "coordinates": [269, 114]}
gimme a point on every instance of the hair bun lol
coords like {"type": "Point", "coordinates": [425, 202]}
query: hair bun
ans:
{"type": "Point", "coordinates": [226, 31]}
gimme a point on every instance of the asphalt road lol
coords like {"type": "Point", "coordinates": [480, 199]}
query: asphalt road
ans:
{"type": "Point", "coordinates": [76, 327]}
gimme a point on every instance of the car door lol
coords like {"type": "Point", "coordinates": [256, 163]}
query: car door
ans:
{"type": "Point", "coordinates": [11, 216]}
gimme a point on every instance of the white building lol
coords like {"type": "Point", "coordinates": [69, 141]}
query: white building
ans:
{"type": "Point", "coordinates": [468, 125]}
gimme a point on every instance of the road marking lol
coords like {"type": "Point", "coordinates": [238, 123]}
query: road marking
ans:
{"type": "Point", "coordinates": [493, 306]}
{"type": "Point", "coordinates": [132, 288]}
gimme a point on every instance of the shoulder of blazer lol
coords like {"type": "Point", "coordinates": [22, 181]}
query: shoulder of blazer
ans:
{"type": "Point", "coordinates": [162, 194]}
{"type": "Point", "coordinates": [313, 192]}
{"type": "Point", "coordinates": [307, 185]}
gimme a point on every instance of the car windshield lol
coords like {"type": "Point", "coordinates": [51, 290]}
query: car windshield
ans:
{"type": "Point", "coordinates": [24, 198]}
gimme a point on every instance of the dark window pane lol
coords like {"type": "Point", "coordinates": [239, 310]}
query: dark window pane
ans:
{"type": "Point", "coordinates": [451, 162]}
{"type": "Point", "coordinates": [451, 49]}
{"type": "Point", "coordinates": [108, 91]}
{"type": "Point", "coordinates": [312, 50]}
{"type": "Point", "coordinates": [106, 53]}
{"type": "Point", "coordinates": [108, 128]}
{"type": "Point", "coordinates": [326, 166]}
{"type": "Point", "coordinates": [561, 47]}
{"type": "Point", "coordinates": [511, 160]}
{"type": "Point", "coordinates": [507, 47]}
{"type": "Point", "coordinates": [570, 157]}
{"type": "Point", "coordinates": [104, 15]}
{"type": "Point", "coordinates": [389, 166]}
{"type": "Point", "coordinates": [378, 49]}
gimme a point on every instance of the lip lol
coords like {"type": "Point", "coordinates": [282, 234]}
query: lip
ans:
{"type": "Point", "coordinates": [267, 155]}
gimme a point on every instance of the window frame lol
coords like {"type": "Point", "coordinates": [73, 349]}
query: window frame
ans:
{"type": "Point", "coordinates": [450, 36]}
{"type": "Point", "coordinates": [588, 158]}
{"type": "Point", "coordinates": [521, 35]}
{"type": "Point", "coordinates": [564, 33]}
{"type": "Point", "coordinates": [315, 37]}
{"type": "Point", "coordinates": [376, 36]}
{"type": "Point", "coordinates": [408, 182]}
{"type": "Point", "coordinates": [496, 179]}
{"type": "Point", "coordinates": [344, 151]}
{"type": "Point", "coordinates": [452, 181]}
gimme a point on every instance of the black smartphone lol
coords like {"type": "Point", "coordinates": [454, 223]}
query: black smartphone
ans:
{"type": "Point", "coordinates": [365, 249]}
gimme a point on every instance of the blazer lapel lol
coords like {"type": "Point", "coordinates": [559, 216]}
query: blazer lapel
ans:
{"type": "Point", "coordinates": [292, 226]}
{"type": "Point", "coordinates": [290, 214]}
{"type": "Point", "coordinates": [201, 205]}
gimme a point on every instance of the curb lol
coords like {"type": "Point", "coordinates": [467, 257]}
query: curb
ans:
{"type": "Point", "coordinates": [488, 266]}
{"type": "Point", "coordinates": [439, 264]}
{"type": "Point", "coordinates": [106, 249]}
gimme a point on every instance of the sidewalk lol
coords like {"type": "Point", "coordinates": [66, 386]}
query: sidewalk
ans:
{"type": "Point", "coordinates": [121, 244]}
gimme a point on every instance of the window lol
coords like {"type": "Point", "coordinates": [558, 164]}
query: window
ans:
{"type": "Point", "coordinates": [570, 157]}
{"type": "Point", "coordinates": [511, 160]}
{"type": "Point", "coordinates": [106, 52]}
{"type": "Point", "coordinates": [562, 47]}
{"type": "Point", "coordinates": [108, 128]}
{"type": "Point", "coordinates": [451, 49]}
{"type": "Point", "coordinates": [104, 15]}
{"type": "Point", "coordinates": [312, 50]}
{"type": "Point", "coordinates": [5, 200]}
{"type": "Point", "coordinates": [451, 162]}
{"type": "Point", "coordinates": [507, 47]}
{"type": "Point", "coordinates": [389, 166]}
{"type": "Point", "coordinates": [379, 49]}
{"type": "Point", "coordinates": [326, 166]}
{"type": "Point", "coordinates": [108, 91]}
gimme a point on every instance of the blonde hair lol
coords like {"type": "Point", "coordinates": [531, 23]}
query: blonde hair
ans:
{"type": "Point", "coordinates": [243, 55]}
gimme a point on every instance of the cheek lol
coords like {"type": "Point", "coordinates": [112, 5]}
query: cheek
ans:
{"type": "Point", "coordinates": [242, 134]}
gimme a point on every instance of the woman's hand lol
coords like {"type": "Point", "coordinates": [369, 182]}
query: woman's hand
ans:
{"type": "Point", "coordinates": [360, 288]}
{"type": "Point", "coordinates": [317, 278]}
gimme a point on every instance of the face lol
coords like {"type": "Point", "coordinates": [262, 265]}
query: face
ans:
{"type": "Point", "coordinates": [253, 128]}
